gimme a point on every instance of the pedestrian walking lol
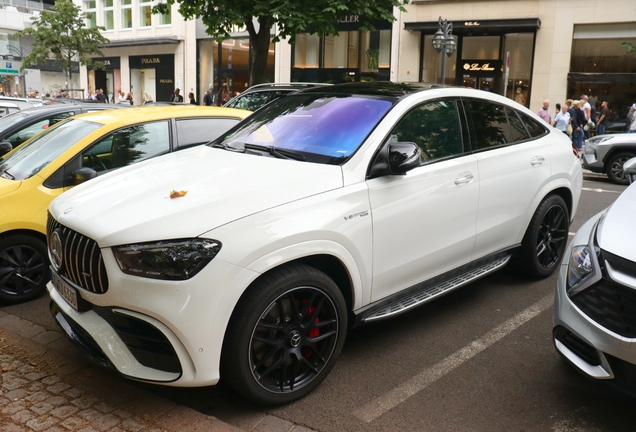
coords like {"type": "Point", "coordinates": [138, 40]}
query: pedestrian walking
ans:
{"type": "Point", "coordinates": [578, 123]}
{"type": "Point", "coordinates": [192, 99]}
{"type": "Point", "coordinates": [562, 120]}
{"type": "Point", "coordinates": [544, 112]}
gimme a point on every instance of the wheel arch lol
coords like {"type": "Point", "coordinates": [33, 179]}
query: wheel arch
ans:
{"type": "Point", "coordinates": [615, 150]}
{"type": "Point", "coordinates": [26, 232]}
{"type": "Point", "coordinates": [561, 190]}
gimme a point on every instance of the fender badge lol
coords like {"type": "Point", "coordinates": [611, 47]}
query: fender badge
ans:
{"type": "Point", "coordinates": [177, 194]}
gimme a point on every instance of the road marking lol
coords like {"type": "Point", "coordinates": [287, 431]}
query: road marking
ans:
{"type": "Point", "coordinates": [602, 190]}
{"type": "Point", "coordinates": [428, 376]}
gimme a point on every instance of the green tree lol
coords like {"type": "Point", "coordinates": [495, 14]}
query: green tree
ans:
{"type": "Point", "coordinates": [62, 35]}
{"type": "Point", "coordinates": [629, 47]}
{"type": "Point", "coordinates": [290, 17]}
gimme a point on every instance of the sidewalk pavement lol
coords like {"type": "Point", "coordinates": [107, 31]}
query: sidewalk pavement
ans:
{"type": "Point", "coordinates": [47, 385]}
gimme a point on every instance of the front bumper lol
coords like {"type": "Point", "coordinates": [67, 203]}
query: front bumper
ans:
{"type": "Point", "coordinates": [591, 348]}
{"type": "Point", "coordinates": [591, 161]}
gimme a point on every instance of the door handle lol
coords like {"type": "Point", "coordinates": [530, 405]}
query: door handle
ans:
{"type": "Point", "coordinates": [464, 178]}
{"type": "Point", "coordinates": [537, 160]}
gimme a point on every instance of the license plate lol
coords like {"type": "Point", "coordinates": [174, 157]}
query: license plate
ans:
{"type": "Point", "coordinates": [67, 292]}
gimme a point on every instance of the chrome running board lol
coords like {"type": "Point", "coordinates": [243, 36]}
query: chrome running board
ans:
{"type": "Point", "coordinates": [429, 292]}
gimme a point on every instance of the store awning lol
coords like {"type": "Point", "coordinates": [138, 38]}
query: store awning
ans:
{"type": "Point", "coordinates": [140, 42]}
{"type": "Point", "coordinates": [479, 27]}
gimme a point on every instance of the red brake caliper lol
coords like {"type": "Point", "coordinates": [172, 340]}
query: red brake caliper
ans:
{"type": "Point", "coordinates": [315, 332]}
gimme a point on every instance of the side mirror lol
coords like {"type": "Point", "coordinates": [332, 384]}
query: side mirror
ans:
{"type": "Point", "coordinates": [404, 156]}
{"type": "Point", "coordinates": [395, 158]}
{"type": "Point", "coordinates": [83, 174]}
{"type": "Point", "coordinates": [5, 147]}
{"type": "Point", "coordinates": [629, 168]}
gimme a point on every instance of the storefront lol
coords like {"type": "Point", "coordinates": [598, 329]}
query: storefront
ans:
{"type": "Point", "coordinates": [601, 67]}
{"type": "Point", "coordinates": [10, 75]}
{"type": "Point", "coordinates": [108, 78]}
{"type": "Point", "coordinates": [225, 67]}
{"type": "Point", "coordinates": [152, 77]}
{"type": "Point", "coordinates": [53, 81]}
{"type": "Point", "coordinates": [492, 55]}
{"type": "Point", "coordinates": [351, 56]}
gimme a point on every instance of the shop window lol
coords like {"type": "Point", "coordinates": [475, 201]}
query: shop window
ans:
{"type": "Point", "coordinates": [432, 63]}
{"type": "Point", "coordinates": [519, 45]}
{"type": "Point", "coordinates": [109, 17]}
{"type": "Point", "coordinates": [376, 50]}
{"type": "Point", "coordinates": [145, 13]}
{"type": "Point", "coordinates": [480, 48]}
{"type": "Point", "coordinates": [341, 51]}
{"type": "Point", "coordinates": [126, 14]}
{"type": "Point", "coordinates": [307, 51]}
{"type": "Point", "coordinates": [602, 56]}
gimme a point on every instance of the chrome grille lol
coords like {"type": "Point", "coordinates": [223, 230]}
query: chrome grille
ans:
{"type": "Point", "coordinates": [81, 258]}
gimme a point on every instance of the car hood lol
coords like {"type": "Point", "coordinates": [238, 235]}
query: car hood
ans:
{"type": "Point", "coordinates": [134, 205]}
{"type": "Point", "coordinates": [7, 185]}
{"type": "Point", "coordinates": [618, 226]}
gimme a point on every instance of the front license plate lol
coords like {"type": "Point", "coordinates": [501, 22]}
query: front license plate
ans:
{"type": "Point", "coordinates": [66, 291]}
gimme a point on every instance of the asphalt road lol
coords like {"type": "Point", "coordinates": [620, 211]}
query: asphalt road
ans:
{"type": "Point", "coordinates": [478, 359]}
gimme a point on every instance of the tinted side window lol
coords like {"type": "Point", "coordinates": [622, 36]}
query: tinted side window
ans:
{"type": "Point", "coordinates": [517, 128]}
{"type": "Point", "coordinates": [250, 101]}
{"type": "Point", "coordinates": [202, 130]}
{"type": "Point", "coordinates": [489, 123]}
{"type": "Point", "coordinates": [534, 127]}
{"type": "Point", "coordinates": [434, 127]}
{"type": "Point", "coordinates": [128, 145]}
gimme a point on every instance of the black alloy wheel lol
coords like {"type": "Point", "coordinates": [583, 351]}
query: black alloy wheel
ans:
{"type": "Point", "coordinates": [23, 268]}
{"type": "Point", "coordinates": [546, 238]}
{"type": "Point", "coordinates": [285, 336]}
{"type": "Point", "coordinates": [614, 168]}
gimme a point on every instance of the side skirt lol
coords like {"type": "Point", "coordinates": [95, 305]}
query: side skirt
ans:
{"type": "Point", "coordinates": [426, 291]}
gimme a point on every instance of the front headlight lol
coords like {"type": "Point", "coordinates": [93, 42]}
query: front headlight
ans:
{"type": "Point", "coordinates": [168, 259]}
{"type": "Point", "coordinates": [580, 267]}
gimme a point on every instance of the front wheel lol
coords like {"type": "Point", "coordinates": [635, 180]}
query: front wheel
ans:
{"type": "Point", "coordinates": [614, 168]}
{"type": "Point", "coordinates": [23, 268]}
{"type": "Point", "coordinates": [544, 244]}
{"type": "Point", "coordinates": [284, 336]}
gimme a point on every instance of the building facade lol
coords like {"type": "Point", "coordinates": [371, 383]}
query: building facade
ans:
{"type": "Point", "coordinates": [529, 50]}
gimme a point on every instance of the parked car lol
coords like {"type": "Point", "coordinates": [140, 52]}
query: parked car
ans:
{"type": "Point", "coordinates": [21, 126]}
{"type": "Point", "coordinates": [71, 152]}
{"type": "Point", "coordinates": [7, 108]}
{"type": "Point", "coordinates": [606, 154]}
{"type": "Point", "coordinates": [21, 103]}
{"type": "Point", "coordinates": [595, 303]}
{"type": "Point", "coordinates": [335, 205]}
{"type": "Point", "coordinates": [258, 95]}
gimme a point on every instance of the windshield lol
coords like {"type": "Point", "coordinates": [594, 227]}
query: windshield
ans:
{"type": "Point", "coordinates": [36, 154]}
{"type": "Point", "coordinates": [8, 121]}
{"type": "Point", "coordinates": [324, 128]}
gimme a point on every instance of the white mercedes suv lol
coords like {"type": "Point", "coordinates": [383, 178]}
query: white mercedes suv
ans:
{"type": "Point", "coordinates": [248, 258]}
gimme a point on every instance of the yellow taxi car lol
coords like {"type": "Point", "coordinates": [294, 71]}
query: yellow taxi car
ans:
{"type": "Point", "coordinates": [72, 152]}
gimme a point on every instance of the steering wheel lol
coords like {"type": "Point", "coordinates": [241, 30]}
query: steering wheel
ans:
{"type": "Point", "coordinates": [98, 165]}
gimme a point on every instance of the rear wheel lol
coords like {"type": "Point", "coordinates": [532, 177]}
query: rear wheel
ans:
{"type": "Point", "coordinates": [284, 336]}
{"type": "Point", "coordinates": [23, 268]}
{"type": "Point", "coordinates": [544, 244]}
{"type": "Point", "coordinates": [614, 167]}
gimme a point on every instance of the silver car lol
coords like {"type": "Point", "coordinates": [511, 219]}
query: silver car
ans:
{"type": "Point", "coordinates": [595, 304]}
{"type": "Point", "coordinates": [606, 154]}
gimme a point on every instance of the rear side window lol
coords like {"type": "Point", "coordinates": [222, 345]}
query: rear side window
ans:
{"type": "Point", "coordinates": [202, 130]}
{"type": "Point", "coordinates": [534, 127]}
{"type": "Point", "coordinates": [518, 130]}
{"type": "Point", "coordinates": [490, 126]}
{"type": "Point", "coordinates": [434, 127]}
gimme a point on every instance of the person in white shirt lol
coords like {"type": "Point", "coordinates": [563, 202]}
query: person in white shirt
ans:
{"type": "Point", "coordinates": [562, 119]}
{"type": "Point", "coordinates": [587, 108]}
{"type": "Point", "coordinates": [122, 97]}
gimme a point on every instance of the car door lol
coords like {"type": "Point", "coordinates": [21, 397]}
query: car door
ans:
{"type": "Point", "coordinates": [514, 162]}
{"type": "Point", "coordinates": [424, 221]}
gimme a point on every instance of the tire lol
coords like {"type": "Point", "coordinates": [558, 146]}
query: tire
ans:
{"type": "Point", "coordinates": [272, 362]}
{"type": "Point", "coordinates": [545, 240]}
{"type": "Point", "coordinates": [614, 168]}
{"type": "Point", "coordinates": [24, 268]}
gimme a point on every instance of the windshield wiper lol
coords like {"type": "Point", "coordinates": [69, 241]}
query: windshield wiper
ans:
{"type": "Point", "coordinates": [278, 153]}
{"type": "Point", "coordinates": [4, 172]}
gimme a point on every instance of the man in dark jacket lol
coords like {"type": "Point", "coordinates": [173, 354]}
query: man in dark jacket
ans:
{"type": "Point", "coordinates": [176, 97]}
{"type": "Point", "coordinates": [207, 99]}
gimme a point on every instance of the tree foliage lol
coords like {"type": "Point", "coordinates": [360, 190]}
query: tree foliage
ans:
{"type": "Point", "coordinates": [290, 17]}
{"type": "Point", "coordinates": [629, 47]}
{"type": "Point", "coordinates": [61, 34]}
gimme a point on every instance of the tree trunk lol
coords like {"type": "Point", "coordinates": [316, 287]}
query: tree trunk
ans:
{"type": "Point", "coordinates": [259, 43]}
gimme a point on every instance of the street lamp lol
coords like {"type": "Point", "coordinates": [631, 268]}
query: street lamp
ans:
{"type": "Point", "coordinates": [443, 41]}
